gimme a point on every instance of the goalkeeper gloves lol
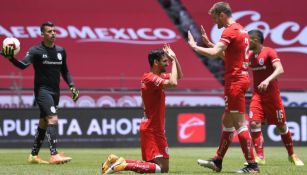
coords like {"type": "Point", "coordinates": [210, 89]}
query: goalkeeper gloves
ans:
{"type": "Point", "coordinates": [75, 93]}
{"type": "Point", "coordinates": [8, 52]}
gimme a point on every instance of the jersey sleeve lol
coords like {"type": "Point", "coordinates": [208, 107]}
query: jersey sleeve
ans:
{"type": "Point", "coordinates": [227, 36]}
{"type": "Point", "coordinates": [64, 71]}
{"type": "Point", "coordinates": [22, 64]}
{"type": "Point", "coordinates": [155, 81]}
{"type": "Point", "coordinates": [165, 76]}
{"type": "Point", "coordinates": [273, 55]}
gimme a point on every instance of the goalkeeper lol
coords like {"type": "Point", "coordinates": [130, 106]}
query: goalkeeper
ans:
{"type": "Point", "coordinates": [49, 61]}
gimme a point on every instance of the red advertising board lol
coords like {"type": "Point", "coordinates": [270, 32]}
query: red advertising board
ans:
{"type": "Point", "coordinates": [107, 42]}
{"type": "Point", "coordinates": [284, 25]}
{"type": "Point", "coordinates": [191, 128]}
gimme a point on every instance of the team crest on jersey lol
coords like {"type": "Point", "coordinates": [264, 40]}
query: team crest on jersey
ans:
{"type": "Point", "coordinates": [52, 109]}
{"type": "Point", "coordinates": [59, 56]}
{"type": "Point", "coordinates": [261, 61]}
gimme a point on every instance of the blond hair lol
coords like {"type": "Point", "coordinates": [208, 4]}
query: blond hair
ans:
{"type": "Point", "coordinates": [220, 7]}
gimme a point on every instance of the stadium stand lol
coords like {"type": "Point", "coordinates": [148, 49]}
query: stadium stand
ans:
{"type": "Point", "coordinates": [106, 43]}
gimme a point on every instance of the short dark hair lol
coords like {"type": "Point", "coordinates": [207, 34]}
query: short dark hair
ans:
{"type": "Point", "coordinates": [155, 54]}
{"type": "Point", "coordinates": [258, 34]}
{"type": "Point", "coordinates": [48, 23]}
{"type": "Point", "coordinates": [220, 7]}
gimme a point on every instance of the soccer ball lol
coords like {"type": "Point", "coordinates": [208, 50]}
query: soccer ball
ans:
{"type": "Point", "coordinates": [11, 41]}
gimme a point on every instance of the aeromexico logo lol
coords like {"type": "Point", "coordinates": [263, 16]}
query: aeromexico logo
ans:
{"type": "Point", "coordinates": [277, 34]}
{"type": "Point", "coordinates": [143, 35]}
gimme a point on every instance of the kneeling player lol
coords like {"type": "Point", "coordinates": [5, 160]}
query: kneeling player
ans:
{"type": "Point", "coordinates": [152, 135]}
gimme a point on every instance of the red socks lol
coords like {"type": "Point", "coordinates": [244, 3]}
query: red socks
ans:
{"type": "Point", "coordinates": [142, 167]}
{"type": "Point", "coordinates": [226, 140]}
{"type": "Point", "coordinates": [258, 141]}
{"type": "Point", "coordinates": [134, 161]}
{"type": "Point", "coordinates": [246, 144]}
{"type": "Point", "coordinates": [287, 139]}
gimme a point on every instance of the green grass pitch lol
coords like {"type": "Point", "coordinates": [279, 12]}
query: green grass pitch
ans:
{"type": "Point", "coordinates": [183, 161]}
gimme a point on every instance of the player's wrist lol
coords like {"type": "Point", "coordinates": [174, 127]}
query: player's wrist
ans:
{"type": "Point", "coordinates": [174, 58]}
{"type": "Point", "coordinates": [195, 48]}
{"type": "Point", "coordinates": [206, 42]}
{"type": "Point", "coordinates": [11, 58]}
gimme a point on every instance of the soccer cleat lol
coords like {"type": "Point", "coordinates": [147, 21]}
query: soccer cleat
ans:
{"type": "Point", "coordinates": [110, 161]}
{"type": "Point", "coordinates": [215, 165]}
{"type": "Point", "coordinates": [250, 168]}
{"type": "Point", "coordinates": [62, 154]}
{"type": "Point", "coordinates": [119, 165]}
{"type": "Point", "coordinates": [59, 158]}
{"type": "Point", "coordinates": [258, 160]}
{"type": "Point", "coordinates": [297, 161]}
{"type": "Point", "coordinates": [36, 160]}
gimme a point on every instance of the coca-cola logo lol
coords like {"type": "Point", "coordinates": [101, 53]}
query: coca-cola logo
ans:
{"type": "Point", "coordinates": [191, 128]}
{"type": "Point", "coordinates": [275, 33]}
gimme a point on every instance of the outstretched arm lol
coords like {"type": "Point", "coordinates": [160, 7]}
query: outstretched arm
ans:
{"type": "Point", "coordinates": [216, 51]}
{"type": "Point", "coordinates": [8, 52]}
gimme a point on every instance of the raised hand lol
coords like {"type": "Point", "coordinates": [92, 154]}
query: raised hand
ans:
{"type": "Point", "coordinates": [204, 36]}
{"type": "Point", "coordinates": [169, 52]}
{"type": "Point", "coordinates": [191, 40]}
{"type": "Point", "coordinates": [8, 52]}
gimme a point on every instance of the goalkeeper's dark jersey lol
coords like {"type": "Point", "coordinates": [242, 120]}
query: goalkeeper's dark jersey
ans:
{"type": "Point", "coordinates": [48, 64]}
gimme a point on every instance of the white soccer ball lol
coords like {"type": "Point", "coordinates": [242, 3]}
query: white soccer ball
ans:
{"type": "Point", "coordinates": [11, 41]}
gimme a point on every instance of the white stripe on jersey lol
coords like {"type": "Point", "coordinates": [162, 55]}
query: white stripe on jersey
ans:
{"type": "Point", "coordinates": [157, 80]}
{"type": "Point", "coordinates": [226, 40]}
{"type": "Point", "coordinates": [276, 59]}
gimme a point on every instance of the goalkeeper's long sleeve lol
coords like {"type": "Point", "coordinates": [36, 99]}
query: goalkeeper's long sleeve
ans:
{"type": "Point", "coordinates": [65, 73]}
{"type": "Point", "coordinates": [48, 64]}
{"type": "Point", "coordinates": [22, 64]}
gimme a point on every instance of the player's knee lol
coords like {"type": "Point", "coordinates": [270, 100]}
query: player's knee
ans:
{"type": "Point", "coordinates": [255, 125]}
{"type": "Point", "coordinates": [163, 164]}
{"type": "Point", "coordinates": [53, 120]}
{"type": "Point", "coordinates": [282, 129]}
{"type": "Point", "coordinates": [164, 168]}
{"type": "Point", "coordinates": [43, 123]}
{"type": "Point", "coordinates": [239, 124]}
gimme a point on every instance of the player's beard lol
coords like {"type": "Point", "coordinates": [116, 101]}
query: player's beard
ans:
{"type": "Point", "coordinates": [252, 47]}
{"type": "Point", "coordinates": [162, 70]}
{"type": "Point", "coordinates": [219, 25]}
{"type": "Point", "coordinates": [52, 39]}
